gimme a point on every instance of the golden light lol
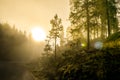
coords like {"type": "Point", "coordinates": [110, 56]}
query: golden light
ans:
{"type": "Point", "coordinates": [38, 34]}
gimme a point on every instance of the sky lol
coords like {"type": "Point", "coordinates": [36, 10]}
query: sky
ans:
{"type": "Point", "coordinates": [26, 14]}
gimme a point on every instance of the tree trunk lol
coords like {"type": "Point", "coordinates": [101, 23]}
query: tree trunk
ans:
{"type": "Point", "coordinates": [108, 19]}
{"type": "Point", "coordinates": [55, 47]}
{"type": "Point", "coordinates": [88, 26]}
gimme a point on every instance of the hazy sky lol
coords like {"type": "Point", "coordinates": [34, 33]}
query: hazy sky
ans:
{"type": "Point", "coordinates": [26, 14]}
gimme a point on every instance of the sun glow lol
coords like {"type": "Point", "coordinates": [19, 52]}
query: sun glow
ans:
{"type": "Point", "coordinates": [38, 34]}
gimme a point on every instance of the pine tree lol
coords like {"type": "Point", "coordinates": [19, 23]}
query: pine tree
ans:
{"type": "Point", "coordinates": [55, 30]}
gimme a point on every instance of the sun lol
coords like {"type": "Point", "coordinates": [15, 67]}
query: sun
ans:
{"type": "Point", "coordinates": [38, 34]}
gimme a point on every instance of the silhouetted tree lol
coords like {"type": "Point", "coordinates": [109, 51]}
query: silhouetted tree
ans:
{"type": "Point", "coordinates": [56, 29]}
{"type": "Point", "coordinates": [48, 47]}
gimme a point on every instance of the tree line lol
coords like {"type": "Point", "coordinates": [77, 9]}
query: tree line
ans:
{"type": "Point", "coordinates": [15, 45]}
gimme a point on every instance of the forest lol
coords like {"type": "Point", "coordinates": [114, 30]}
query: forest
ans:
{"type": "Point", "coordinates": [15, 45]}
{"type": "Point", "coordinates": [89, 51]}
